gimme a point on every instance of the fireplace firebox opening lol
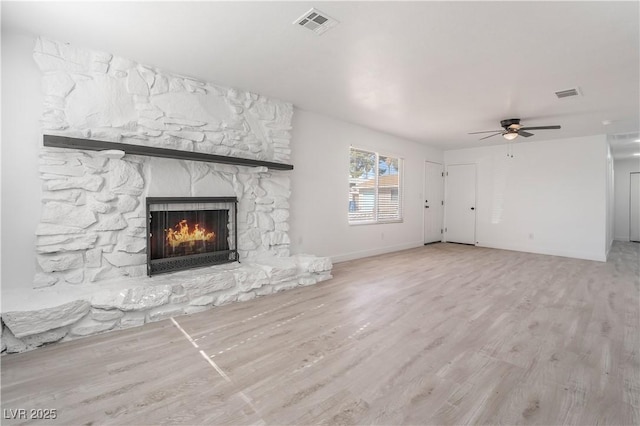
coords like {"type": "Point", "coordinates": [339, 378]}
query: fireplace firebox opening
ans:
{"type": "Point", "coordinates": [190, 232]}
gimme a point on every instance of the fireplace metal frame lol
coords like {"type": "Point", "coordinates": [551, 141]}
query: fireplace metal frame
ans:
{"type": "Point", "coordinates": [160, 266]}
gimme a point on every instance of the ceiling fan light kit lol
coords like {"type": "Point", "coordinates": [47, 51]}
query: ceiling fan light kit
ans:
{"type": "Point", "coordinates": [513, 129]}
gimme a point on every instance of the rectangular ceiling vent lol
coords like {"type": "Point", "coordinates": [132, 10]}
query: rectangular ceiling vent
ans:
{"type": "Point", "coordinates": [567, 93]}
{"type": "Point", "coordinates": [316, 21]}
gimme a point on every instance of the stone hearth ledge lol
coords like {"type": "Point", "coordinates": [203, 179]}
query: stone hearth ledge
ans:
{"type": "Point", "coordinates": [67, 312]}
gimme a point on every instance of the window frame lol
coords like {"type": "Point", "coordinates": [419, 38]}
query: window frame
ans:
{"type": "Point", "coordinates": [377, 220]}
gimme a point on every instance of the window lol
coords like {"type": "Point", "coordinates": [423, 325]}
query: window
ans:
{"type": "Point", "coordinates": [375, 193]}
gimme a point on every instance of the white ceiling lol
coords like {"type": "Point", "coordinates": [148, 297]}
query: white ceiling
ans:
{"type": "Point", "coordinates": [426, 71]}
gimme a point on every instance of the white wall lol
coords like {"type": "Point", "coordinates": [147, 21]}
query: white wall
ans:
{"type": "Point", "coordinates": [550, 198]}
{"type": "Point", "coordinates": [21, 139]}
{"type": "Point", "coordinates": [621, 196]}
{"type": "Point", "coordinates": [320, 185]}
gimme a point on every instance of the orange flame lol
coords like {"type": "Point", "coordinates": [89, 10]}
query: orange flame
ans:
{"type": "Point", "coordinates": [182, 234]}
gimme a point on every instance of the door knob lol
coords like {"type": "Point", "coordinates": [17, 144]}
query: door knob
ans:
{"type": "Point", "coordinates": [473, 208]}
{"type": "Point", "coordinates": [426, 207]}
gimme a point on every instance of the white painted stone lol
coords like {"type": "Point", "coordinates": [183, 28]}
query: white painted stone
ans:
{"type": "Point", "coordinates": [106, 238]}
{"type": "Point", "coordinates": [49, 63]}
{"type": "Point", "coordinates": [215, 137]}
{"type": "Point", "coordinates": [88, 182]}
{"type": "Point", "coordinates": [52, 229]}
{"type": "Point", "coordinates": [80, 242]}
{"type": "Point", "coordinates": [126, 203]}
{"type": "Point", "coordinates": [156, 125]}
{"type": "Point", "coordinates": [133, 299]}
{"type": "Point", "coordinates": [135, 271]}
{"type": "Point", "coordinates": [280, 215]}
{"type": "Point", "coordinates": [160, 85]}
{"type": "Point", "coordinates": [10, 343]}
{"type": "Point", "coordinates": [53, 102]}
{"type": "Point", "coordinates": [307, 280]}
{"type": "Point", "coordinates": [176, 85]}
{"type": "Point", "coordinates": [164, 312]}
{"type": "Point", "coordinates": [26, 323]}
{"type": "Point", "coordinates": [131, 244]}
{"type": "Point", "coordinates": [44, 280]}
{"type": "Point", "coordinates": [114, 154]}
{"type": "Point", "coordinates": [110, 222]}
{"type": "Point", "coordinates": [93, 257]}
{"type": "Point", "coordinates": [57, 84]}
{"type": "Point", "coordinates": [178, 298]}
{"type": "Point", "coordinates": [249, 239]}
{"type": "Point", "coordinates": [60, 262]}
{"type": "Point", "coordinates": [105, 315]}
{"type": "Point", "coordinates": [93, 164]}
{"type": "Point", "coordinates": [203, 283]}
{"type": "Point", "coordinates": [275, 238]}
{"type": "Point", "coordinates": [137, 222]}
{"type": "Point", "coordinates": [98, 206]}
{"type": "Point", "coordinates": [286, 285]}
{"type": "Point", "coordinates": [100, 102]}
{"type": "Point", "coordinates": [250, 277]}
{"type": "Point", "coordinates": [213, 183]}
{"type": "Point", "coordinates": [125, 178]}
{"type": "Point", "coordinates": [192, 136]}
{"type": "Point", "coordinates": [278, 269]}
{"type": "Point", "coordinates": [323, 276]}
{"type": "Point", "coordinates": [74, 277]}
{"type": "Point", "coordinates": [264, 222]}
{"type": "Point", "coordinates": [104, 272]}
{"type": "Point", "coordinates": [45, 45]}
{"type": "Point", "coordinates": [311, 263]}
{"type": "Point", "coordinates": [168, 178]}
{"type": "Point", "coordinates": [88, 326]}
{"type": "Point", "coordinates": [63, 170]}
{"type": "Point", "coordinates": [122, 64]}
{"type": "Point", "coordinates": [132, 319]}
{"type": "Point", "coordinates": [282, 226]}
{"type": "Point", "coordinates": [202, 301]}
{"type": "Point", "coordinates": [136, 84]}
{"type": "Point", "coordinates": [152, 114]}
{"type": "Point", "coordinates": [225, 298]}
{"type": "Point", "coordinates": [246, 296]}
{"type": "Point", "coordinates": [203, 108]}
{"type": "Point", "coordinates": [264, 290]}
{"type": "Point", "coordinates": [125, 259]}
{"type": "Point", "coordinates": [99, 67]}
{"type": "Point", "coordinates": [15, 345]}
{"type": "Point", "coordinates": [264, 200]}
{"type": "Point", "coordinates": [188, 310]}
{"type": "Point", "coordinates": [147, 74]}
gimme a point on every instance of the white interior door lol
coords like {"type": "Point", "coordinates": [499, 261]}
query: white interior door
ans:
{"type": "Point", "coordinates": [634, 207]}
{"type": "Point", "coordinates": [433, 200]}
{"type": "Point", "coordinates": [460, 204]}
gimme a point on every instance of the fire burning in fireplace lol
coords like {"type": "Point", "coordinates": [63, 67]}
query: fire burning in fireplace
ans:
{"type": "Point", "coordinates": [190, 232]}
{"type": "Point", "coordinates": [181, 234]}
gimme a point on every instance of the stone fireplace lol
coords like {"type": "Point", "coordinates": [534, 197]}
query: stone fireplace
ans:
{"type": "Point", "coordinates": [190, 232]}
{"type": "Point", "coordinates": [112, 221]}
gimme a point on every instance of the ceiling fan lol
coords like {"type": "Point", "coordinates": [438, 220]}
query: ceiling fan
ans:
{"type": "Point", "coordinates": [513, 128]}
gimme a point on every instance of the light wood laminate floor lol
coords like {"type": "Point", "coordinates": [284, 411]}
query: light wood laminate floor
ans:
{"type": "Point", "coordinates": [442, 334]}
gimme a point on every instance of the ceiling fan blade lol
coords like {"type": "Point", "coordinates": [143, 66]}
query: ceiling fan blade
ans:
{"type": "Point", "coordinates": [540, 128]}
{"type": "Point", "coordinates": [490, 136]}
{"type": "Point", "coordinates": [488, 131]}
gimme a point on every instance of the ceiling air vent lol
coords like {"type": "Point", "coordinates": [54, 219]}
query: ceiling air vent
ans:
{"type": "Point", "coordinates": [316, 21]}
{"type": "Point", "coordinates": [567, 93]}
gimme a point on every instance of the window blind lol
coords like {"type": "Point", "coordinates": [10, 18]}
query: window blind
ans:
{"type": "Point", "coordinates": [375, 187]}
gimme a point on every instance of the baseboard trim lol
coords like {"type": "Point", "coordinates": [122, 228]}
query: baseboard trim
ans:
{"type": "Point", "coordinates": [551, 252]}
{"type": "Point", "coordinates": [374, 252]}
